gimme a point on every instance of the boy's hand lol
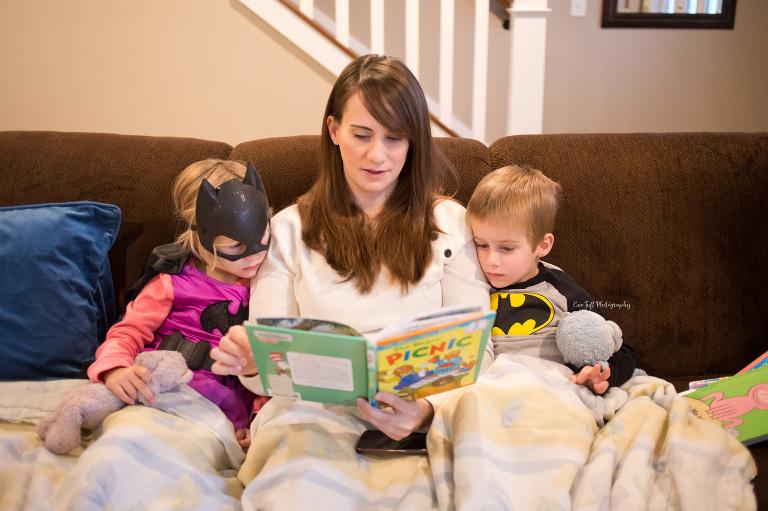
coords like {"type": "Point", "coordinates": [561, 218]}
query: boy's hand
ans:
{"type": "Point", "coordinates": [234, 355]}
{"type": "Point", "coordinates": [128, 382]}
{"type": "Point", "coordinates": [595, 378]}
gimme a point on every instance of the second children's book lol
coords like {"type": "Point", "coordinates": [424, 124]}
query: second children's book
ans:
{"type": "Point", "coordinates": [319, 360]}
{"type": "Point", "coordinates": [739, 404]}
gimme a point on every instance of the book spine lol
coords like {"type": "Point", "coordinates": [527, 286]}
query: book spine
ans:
{"type": "Point", "coordinates": [490, 317]}
{"type": "Point", "coordinates": [373, 381]}
{"type": "Point", "coordinates": [700, 383]}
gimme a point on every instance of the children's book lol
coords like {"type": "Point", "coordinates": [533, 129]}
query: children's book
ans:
{"type": "Point", "coordinates": [739, 404]}
{"type": "Point", "coordinates": [318, 360]}
{"type": "Point", "coordinates": [760, 361]}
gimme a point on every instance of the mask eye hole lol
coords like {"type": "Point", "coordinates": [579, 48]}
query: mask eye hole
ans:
{"type": "Point", "coordinates": [265, 238]}
{"type": "Point", "coordinates": [228, 246]}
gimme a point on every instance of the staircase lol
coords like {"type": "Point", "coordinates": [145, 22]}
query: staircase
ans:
{"type": "Point", "coordinates": [332, 33]}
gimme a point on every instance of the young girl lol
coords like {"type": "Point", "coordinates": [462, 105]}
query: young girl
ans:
{"type": "Point", "coordinates": [204, 290]}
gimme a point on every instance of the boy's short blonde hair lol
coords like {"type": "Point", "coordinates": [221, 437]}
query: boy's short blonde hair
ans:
{"type": "Point", "coordinates": [185, 190]}
{"type": "Point", "coordinates": [517, 196]}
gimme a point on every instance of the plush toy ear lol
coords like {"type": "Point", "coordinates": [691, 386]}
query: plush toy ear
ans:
{"type": "Point", "coordinates": [617, 335]}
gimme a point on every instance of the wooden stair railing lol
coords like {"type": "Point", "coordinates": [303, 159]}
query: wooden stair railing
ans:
{"type": "Point", "coordinates": [325, 33]}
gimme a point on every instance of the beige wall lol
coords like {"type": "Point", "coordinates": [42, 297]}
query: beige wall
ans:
{"type": "Point", "coordinates": [197, 68]}
{"type": "Point", "coordinates": [212, 69]}
{"type": "Point", "coordinates": [628, 80]}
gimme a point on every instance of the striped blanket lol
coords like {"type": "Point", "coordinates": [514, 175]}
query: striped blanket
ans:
{"type": "Point", "coordinates": [522, 437]}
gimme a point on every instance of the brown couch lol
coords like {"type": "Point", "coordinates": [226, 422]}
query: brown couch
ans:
{"type": "Point", "coordinates": [673, 227]}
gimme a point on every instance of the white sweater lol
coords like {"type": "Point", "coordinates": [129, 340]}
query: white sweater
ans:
{"type": "Point", "coordinates": [297, 281]}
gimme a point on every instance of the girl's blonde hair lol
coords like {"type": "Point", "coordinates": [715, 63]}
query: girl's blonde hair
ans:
{"type": "Point", "coordinates": [185, 190]}
{"type": "Point", "coordinates": [516, 196]}
{"type": "Point", "coordinates": [400, 238]}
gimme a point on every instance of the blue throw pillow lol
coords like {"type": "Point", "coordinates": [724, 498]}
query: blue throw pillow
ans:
{"type": "Point", "coordinates": [57, 300]}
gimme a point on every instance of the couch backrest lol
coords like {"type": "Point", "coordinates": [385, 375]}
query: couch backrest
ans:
{"type": "Point", "coordinates": [675, 226]}
{"type": "Point", "coordinates": [133, 172]}
{"type": "Point", "coordinates": [672, 225]}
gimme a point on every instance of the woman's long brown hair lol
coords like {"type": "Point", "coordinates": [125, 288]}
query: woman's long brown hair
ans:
{"type": "Point", "coordinates": [400, 238]}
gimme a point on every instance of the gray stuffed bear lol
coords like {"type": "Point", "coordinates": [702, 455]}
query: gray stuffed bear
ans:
{"type": "Point", "coordinates": [585, 338]}
{"type": "Point", "coordinates": [87, 406]}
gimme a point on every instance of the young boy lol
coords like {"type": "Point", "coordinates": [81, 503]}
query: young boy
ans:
{"type": "Point", "coordinates": [512, 214]}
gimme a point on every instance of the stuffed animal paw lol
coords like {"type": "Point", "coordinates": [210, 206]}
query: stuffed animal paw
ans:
{"type": "Point", "coordinates": [585, 338]}
{"type": "Point", "coordinates": [87, 406]}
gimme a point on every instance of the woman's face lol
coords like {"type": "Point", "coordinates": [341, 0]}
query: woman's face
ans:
{"type": "Point", "coordinates": [373, 157]}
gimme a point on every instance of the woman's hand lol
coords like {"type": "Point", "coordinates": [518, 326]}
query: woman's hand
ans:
{"type": "Point", "coordinates": [404, 418]}
{"type": "Point", "coordinates": [595, 378]}
{"type": "Point", "coordinates": [128, 382]}
{"type": "Point", "coordinates": [234, 355]}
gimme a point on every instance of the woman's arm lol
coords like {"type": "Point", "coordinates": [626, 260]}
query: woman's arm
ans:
{"type": "Point", "coordinates": [463, 281]}
{"type": "Point", "coordinates": [272, 291]}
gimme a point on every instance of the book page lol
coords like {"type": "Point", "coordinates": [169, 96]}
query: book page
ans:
{"type": "Point", "coordinates": [428, 319]}
{"type": "Point", "coordinates": [321, 371]}
{"type": "Point", "coordinates": [310, 325]}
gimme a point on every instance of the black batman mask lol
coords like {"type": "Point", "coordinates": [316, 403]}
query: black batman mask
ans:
{"type": "Point", "coordinates": [238, 209]}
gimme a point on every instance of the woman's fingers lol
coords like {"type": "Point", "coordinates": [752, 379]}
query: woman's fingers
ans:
{"type": "Point", "coordinates": [401, 420]}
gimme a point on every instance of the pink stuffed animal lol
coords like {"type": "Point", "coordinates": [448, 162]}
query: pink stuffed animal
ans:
{"type": "Point", "coordinates": [87, 406]}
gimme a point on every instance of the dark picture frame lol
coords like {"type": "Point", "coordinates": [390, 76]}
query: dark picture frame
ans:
{"type": "Point", "coordinates": [614, 19]}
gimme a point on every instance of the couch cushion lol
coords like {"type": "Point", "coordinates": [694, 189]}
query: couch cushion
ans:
{"type": "Point", "coordinates": [287, 165]}
{"type": "Point", "coordinates": [57, 298]}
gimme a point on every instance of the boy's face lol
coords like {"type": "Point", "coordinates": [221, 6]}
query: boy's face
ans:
{"type": "Point", "coordinates": [505, 252]}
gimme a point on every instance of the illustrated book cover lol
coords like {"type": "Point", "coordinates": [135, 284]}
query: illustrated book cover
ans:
{"type": "Point", "coordinates": [318, 360]}
{"type": "Point", "coordinates": [739, 404]}
{"type": "Point", "coordinates": [759, 362]}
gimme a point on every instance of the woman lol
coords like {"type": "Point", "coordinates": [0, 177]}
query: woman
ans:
{"type": "Point", "coordinates": [373, 241]}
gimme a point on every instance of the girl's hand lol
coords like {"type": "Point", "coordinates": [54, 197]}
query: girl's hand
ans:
{"type": "Point", "coordinates": [595, 378]}
{"type": "Point", "coordinates": [243, 437]}
{"type": "Point", "coordinates": [234, 355]}
{"type": "Point", "coordinates": [404, 418]}
{"type": "Point", "coordinates": [128, 382]}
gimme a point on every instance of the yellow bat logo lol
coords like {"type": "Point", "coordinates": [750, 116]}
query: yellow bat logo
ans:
{"type": "Point", "coordinates": [520, 313]}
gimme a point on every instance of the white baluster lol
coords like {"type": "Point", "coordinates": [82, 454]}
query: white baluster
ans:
{"type": "Point", "coordinates": [480, 75]}
{"type": "Point", "coordinates": [528, 40]}
{"type": "Point", "coordinates": [307, 7]}
{"type": "Point", "coordinates": [377, 26]}
{"type": "Point", "coordinates": [412, 36]}
{"type": "Point", "coordinates": [446, 62]}
{"type": "Point", "coordinates": [342, 22]}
